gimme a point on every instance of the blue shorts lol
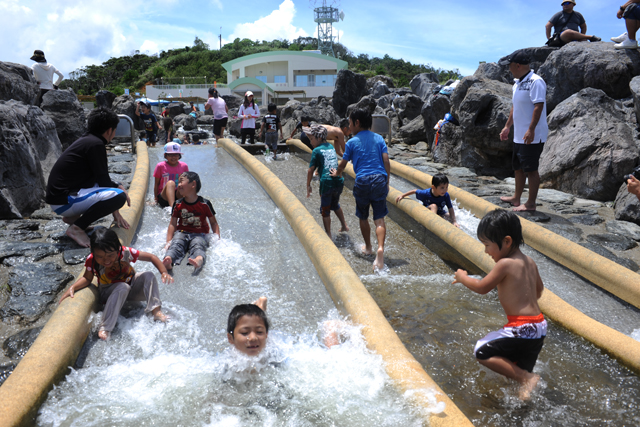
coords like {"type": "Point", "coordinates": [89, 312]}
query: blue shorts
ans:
{"type": "Point", "coordinates": [330, 201]}
{"type": "Point", "coordinates": [371, 190]}
{"type": "Point", "coordinates": [632, 12]}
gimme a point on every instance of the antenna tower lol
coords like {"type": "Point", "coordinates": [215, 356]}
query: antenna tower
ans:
{"type": "Point", "coordinates": [325, 16]}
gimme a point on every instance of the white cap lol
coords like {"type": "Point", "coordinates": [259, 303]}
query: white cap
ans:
{"type": "Point", "coordinates": [172, 148]}
{"type": "Point", "coordinates": [248, 93]}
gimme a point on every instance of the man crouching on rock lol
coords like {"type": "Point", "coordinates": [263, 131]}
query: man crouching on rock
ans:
{"type": "Point", "coordinates": [79, 186]}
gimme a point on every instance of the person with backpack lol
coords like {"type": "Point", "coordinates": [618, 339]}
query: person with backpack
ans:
{"type": "Point", "coordinates": [568, 26]}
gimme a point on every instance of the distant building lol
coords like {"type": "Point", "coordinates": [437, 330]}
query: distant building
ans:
{"type": "Point", "coordinates": [276, 76]}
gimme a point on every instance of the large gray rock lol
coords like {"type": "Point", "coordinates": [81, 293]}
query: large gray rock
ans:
{"type": "Point", "coordinates": [187, 121]}
{"type": "Point", "coordinates": [366, 103]}
{"type": "Point", "coordinates": [408, 107]}
{"type": "Point", "coordinates": [104, 98]}
{"type": "Point", "coordinates": [596, 65]}
{"type": "Point", "coordinates": [634, 87]}
{"type": "Point", "coordinates": [379, 89]}
{"type": "Point", "coordinates": [233, 101]}
{"type": "Point", "coordinates": [538, 56]}
{"type": "Point", "coordinates": [423, 84]}
{"type": "Point", "coordinates": [627, 206]}
{"type": "Point", "coordinates": [372, 81]}
{"type": "Point", "coordinates": [350, 87]}
{"type": "Point", "coordinates": [590, 146]}
{"type": "Point", "coordinates": [206, 119]}
{"type": "Point", "coordinates": [319, 109]}
{"type": "Point", "coordinates": [29, 146]}
{"type": "Point", "coordinates": [125, 104]}
{"type": "Point", "coordinates": [433, 110]}
{"type": "Point", "coordinates": [413, 132]}
{"type": "Point", "coordinates": [175, 109]}
{"type": "Point", "coordinates": [287, 110]}
{"type": "Point", "coordinates": [33, 288]}
{"type": "Point", "coordinates": [63, 107]}
{"type": "Point", "coordinates": [17, 82]}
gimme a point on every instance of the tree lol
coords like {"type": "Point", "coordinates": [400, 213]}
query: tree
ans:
{"type": "Point", "coordinates": [199, 45]}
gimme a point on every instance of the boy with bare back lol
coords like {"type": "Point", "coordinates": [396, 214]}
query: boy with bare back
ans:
{"type": "Point", "coordinates": [513, 350]}
{"type": "Point", "coordinates": [188, 227]}
{"type": "Point", "coordinates": [337, 136]}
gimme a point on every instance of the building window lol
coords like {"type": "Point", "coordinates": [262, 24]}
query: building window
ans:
{"type": "Point", "coordinates": [326, 80]}
{"type": "Point", "coordinates": [312, 79]}
{"type": "Point", "coordinates": [262, 78]}
{"type": "Point", "coordinates": [279, 79]}
{"type": "Point", "coordinates": [301, 81]}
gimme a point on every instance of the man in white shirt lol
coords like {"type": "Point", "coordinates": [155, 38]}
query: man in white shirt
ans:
{"type": "Point", "coordinates": [529, 117]}
{"type": "Point", "coordinates": [43, 73]}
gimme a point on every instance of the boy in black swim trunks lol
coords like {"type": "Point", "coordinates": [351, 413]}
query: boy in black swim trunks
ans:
{"type": "Point", "coordinates": [513, 350]}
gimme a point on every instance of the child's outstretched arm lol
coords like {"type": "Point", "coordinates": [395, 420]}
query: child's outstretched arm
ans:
{"type": "Point", "coordinates": [487, 283]}
{"type": "Point", "coordinates": [408, 193]}
{"type": "Point", "coordinates": [310, 172]}
{"type": "Point", "coordinates": [146, 256]}
{"type": "Point", "coordinates": [82, 282]}
{"type": "Point", "coordinates": [452, 215]}
{"type": "Point", "coordinates": [171, 231]}
{"type": "Point", "coordinates": [215, 228]}
{"type": "Point", "coordinates": [261, 129]}
{"type": "Point", "coordinates": [338, 172]}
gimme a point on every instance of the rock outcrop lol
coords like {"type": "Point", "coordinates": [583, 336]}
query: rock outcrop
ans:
{"type": "Point", "coordinates": [29, 146]}
{"type": "Point", "coordinates": [17, 82]}
{"type": "Point", "coordinates": [125, 104]}
{"type": "Point", "coordinates": [104, 98]}
{"type": "Point", "coordinates": [591, 146]}
{"type": "Point", "coordinates": [596, 65]}
{"type": "Point", "coordinates": [424, 84]}
{"type": "Point", "coordinates": [187, 122]}
{"type": "Point", "coordinates": [63, 107]}
{"type": "Point", "coordinates": [350, 87]}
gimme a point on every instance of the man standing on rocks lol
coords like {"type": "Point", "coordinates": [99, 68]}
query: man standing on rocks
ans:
{"type": "Point", "coordinates": [79, 187]}
{"type": "Point", "coordinates": [569, 24]}
{"type": "Point", "coordinates": [529, 118]}
{"type": "Point", "coordinates": [43, 72]}
{"type": "Point", "coordinates": [630, 11]}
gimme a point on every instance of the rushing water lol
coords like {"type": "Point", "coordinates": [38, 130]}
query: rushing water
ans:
{"type": "Point", "coordinates": [440, 323]}
{"type": "Point", "coordinates": [184, 373]}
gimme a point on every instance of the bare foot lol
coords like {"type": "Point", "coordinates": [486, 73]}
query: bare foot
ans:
{"type": "Point", "coordinates": [196, 262]}
{"type": "Point", "coordinates": [103, 335]}
{"type": "Point", "coordinates": [366, 250]}
{"type": "Point", "coordinates": [167, 262]}
{"type": "Point", "coordinates": [78, 235]}
{"type": "Point", "coordinates": [158, 315]}
{"type": "Point", "coordinates": [262, 303]}
{"type": "Point", "coordinates": [528, 386]}
{"type": "Point", "coordinates": [379, 261]}
{"type": "Point", "coordinates": [344, 229]}
{"type": "Point", "coordinates": [512, 200]}
{"type": "Point", "coordinates": [524, 208]}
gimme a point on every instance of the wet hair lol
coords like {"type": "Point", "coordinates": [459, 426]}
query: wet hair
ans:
{"type": "Point", "coordinates": [105, 239]}
{"type": "Point", "coordinates": [363, 116]}
{"type": "Point", "coordinates": [498, 224]}
{"type": "Point", "coordinates": [439, 179]}
{"type": "Point", "coordinates": [247, 103]}
{"type": "Point", "coordinates": [245, 310]}
{"type": "Point", "coordinates": [344, 123]}
{"type": "Point", "coordinates": [306, 119]}
{"type": "Point", "coordinates": [192, 176]}
{"type": "Point", "coordinates": [101, 120]}
{"type": "Point", "coordinates": [272, 107]}
{"type": "Point", "coordinates": [167, 123]}
{"type": "Point", "coordinates": [213, 92]}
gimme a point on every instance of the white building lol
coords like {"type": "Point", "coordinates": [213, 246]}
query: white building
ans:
{"type": "Point", "coordinates": [276, 76]}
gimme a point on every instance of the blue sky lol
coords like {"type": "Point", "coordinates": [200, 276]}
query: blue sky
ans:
{"type": "Point", "coordinates": [442, 33]}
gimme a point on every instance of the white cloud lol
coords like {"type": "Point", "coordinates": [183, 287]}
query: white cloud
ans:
{"type": "Point", "coordinates": [149, 46]}
{"type": "Point", "coordinates": [53, 17]}
{"type": "Point", "coordinates": [277, 25]}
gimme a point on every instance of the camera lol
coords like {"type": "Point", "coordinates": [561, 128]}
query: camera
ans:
{"type": "Point", "coordinates": [635, 173]}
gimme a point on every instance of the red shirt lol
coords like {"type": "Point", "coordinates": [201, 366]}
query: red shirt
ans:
{"type": "Point", "coordinates": [123, 273]}
{"type": "Point", "coordinates": [192, 217]}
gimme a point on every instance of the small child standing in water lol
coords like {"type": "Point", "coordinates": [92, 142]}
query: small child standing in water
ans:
{"type": "Point", "coordinates": [513, 350]}
{"type": "Point", "coordinates": [118, 282]}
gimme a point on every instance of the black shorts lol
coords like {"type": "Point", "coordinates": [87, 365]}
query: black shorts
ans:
{"type": "Point", "coordinates": [521, 351]}
{"type": "Point", "coordinates": [162, 202]}
{"type": "Point", "coordinates": [526, 156]}
{"type": "Point", "coordinates": [218, 124]}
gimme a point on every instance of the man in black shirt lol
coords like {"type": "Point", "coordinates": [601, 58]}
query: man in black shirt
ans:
{"type": "Point", "coordinates": [569, 24]}
{"type": "Point", "coordinates": [79, 186]}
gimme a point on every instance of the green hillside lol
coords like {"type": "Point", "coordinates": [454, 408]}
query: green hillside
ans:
{"type": "Point", "coordinates": [192, 64]}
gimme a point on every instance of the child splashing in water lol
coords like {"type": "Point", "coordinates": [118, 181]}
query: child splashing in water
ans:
{"type": "Point", "coordinates": [118, 282]}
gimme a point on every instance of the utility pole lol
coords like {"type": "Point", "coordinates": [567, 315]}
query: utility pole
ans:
{"type": "Point", "coordinates": [220, 36]}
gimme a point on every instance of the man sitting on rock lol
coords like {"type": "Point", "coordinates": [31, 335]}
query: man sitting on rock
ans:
{"type": "Point", "coordinates": [569, 24]}
{"type": "Point", "coordinates": [630, 11]}
{"type": "Point", "coordinates": [79, 186]}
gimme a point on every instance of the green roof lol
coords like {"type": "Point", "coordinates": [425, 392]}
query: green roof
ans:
{"type": "Point", "coordinates": [341, 65]}
{"type": "Point", "coordinates": [252, 80]}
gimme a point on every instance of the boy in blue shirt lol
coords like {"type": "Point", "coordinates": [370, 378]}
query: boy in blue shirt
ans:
{"type": "Point", "coordinates": [325, 159]}
{"type": "Point", "coordinates": [435, 198]}
{"type": "Point", "coordinates": [368, 152]}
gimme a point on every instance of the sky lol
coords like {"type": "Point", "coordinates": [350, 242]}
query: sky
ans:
{"type": "Point", "coordinates": [443, 34]}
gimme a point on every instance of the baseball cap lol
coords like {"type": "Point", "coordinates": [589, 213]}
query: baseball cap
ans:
{"type": "Point", "coordinates": [318, 131]}
{"type": "Point", "coordinates": [172, 148]}
{"type": "Point", "coordinates": [248, 93]}
{"type": "Point", "coordinates": [570, 1]}
{"type": "Point", "coordinates": [517, 57]}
